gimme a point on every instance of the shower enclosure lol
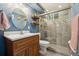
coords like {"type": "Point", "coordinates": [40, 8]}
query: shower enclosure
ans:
{"type": "Point", "coordinates": [56, 28]}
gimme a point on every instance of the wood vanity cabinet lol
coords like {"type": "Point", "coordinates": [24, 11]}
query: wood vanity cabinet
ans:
{"type": "Point", "coordinates": [23, 47]}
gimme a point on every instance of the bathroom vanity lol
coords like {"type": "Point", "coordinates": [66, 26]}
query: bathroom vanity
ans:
{"type": "Point", "coordinates": [22, 44]}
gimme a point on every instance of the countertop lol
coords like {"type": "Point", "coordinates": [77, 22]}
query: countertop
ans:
{"type": "Point", "coordinates": [17, 36]}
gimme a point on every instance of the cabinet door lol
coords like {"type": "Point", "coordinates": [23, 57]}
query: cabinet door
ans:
{"type": "Point", "coordinates": [31, 51]}
{"type": "Point", "coordinates": [34, 50]}
{"type": "Point", "coordinates": [27, 51]}
{"type": "Point", "coordinates": [21, 52]}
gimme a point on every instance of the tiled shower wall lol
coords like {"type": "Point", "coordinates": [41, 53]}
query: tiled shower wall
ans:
{"type": "Point", "coordinates": [63, 28]}
{"type": "Point", "coordinates": [59, 30]}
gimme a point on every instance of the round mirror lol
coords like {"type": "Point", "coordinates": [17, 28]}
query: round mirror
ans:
{"type": "Point", "coordinates": [19, 18]}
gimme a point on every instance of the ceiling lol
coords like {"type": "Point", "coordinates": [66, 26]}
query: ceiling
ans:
{"type": "Point", "coordinates": [35, 6]}
{"type": "Point", "coordinates": [55, 6]}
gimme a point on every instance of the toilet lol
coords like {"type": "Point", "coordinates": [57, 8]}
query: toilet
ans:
{"type": "Point", "coordinates": [43, 47]}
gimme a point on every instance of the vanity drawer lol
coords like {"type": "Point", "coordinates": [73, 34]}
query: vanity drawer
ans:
{"type": "Point", "coordinates": [25, 42]}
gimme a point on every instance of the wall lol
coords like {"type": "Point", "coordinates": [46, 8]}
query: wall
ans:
{"type": "Point", "coordinates": [75, 9]}
{"type": "Point", "coordinates": [8, 8]}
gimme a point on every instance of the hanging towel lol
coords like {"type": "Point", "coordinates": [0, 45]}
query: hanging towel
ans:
{"type": "Point", "coordinates": [4, 23]}
{"type": "Point", "coordinates": [74, 34]}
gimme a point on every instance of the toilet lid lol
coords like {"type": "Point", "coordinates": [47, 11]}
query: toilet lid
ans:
{"type": "Point", "coordinates": [44, 42]}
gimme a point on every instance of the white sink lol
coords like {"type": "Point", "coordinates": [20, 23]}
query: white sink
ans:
{"type": "Point", "coordinates": [17, 36]}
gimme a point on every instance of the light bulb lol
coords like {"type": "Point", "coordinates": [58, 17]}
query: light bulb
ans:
{"type": "Point", "coordinates": [60, 6]}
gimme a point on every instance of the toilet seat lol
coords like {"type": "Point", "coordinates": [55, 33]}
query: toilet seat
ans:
{"type": "Point", "coordinates": [43, 42]}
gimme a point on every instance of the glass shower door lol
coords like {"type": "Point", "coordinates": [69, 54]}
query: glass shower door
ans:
{"type": "Point", "coordinates": [59, 32]}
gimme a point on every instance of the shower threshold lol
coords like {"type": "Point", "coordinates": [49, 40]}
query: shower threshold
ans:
{"type": "Point", "coordinates": [59, 49]}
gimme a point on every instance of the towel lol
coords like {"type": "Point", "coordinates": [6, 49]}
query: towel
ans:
{"type": "Point", "coordinates": [4, 22]}
{"type": "Point", "coordinates": [74, 34]}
